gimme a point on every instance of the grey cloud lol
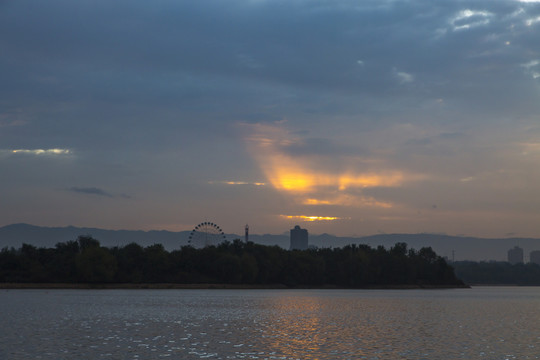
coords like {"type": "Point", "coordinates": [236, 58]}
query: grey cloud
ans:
{"type": "Point", "coordinates": [419, 142]}
{"type": "Point", "coordinates": [148, 55]}
{"type": "Point", "coordinates": [180, 58]}
{"type": "Point", "coordinates": [321, 147]}
{"type": "Point", "coordinates": [91, 191]}
{"type": "Point", "coordinates": [149, 91]}
{"type": "Point", "coordinates": [451, 135]}
{"type": "Point", "coordinates": [445, 138]}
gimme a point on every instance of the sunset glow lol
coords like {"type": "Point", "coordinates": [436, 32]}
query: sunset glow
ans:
{"type": "Point", "coordinates": [310, 218]}
{"type": "Point", "coordinates": [395, 116]}
{"type": "Point", "coordinates": [305, 178]}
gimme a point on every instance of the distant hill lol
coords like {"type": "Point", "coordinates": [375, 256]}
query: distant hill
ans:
{"type": "Point", "coordinates": [17, 234]}
{"type": "Point", "coordinates": [465, 248]}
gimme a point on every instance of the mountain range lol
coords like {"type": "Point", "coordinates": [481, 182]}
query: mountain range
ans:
{"type": "Point", "coordinates": [452, 247]}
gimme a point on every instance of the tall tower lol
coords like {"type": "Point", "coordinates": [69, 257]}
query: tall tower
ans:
{"type": "Point", "coordinates": [299, 238]}
{"type": "Point", "coordinates": [515, 255]}
{"type": "Point", "coordinates": [246, 239]}
{"type": "Point", "coordinates": [535, 257]}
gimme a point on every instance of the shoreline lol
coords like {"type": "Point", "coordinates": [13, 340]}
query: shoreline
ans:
{"type": "Point", "coordinates": [166, 286]}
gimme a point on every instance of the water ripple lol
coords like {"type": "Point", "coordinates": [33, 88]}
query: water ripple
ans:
{"type": "Point", "coordinates": [482, 323]}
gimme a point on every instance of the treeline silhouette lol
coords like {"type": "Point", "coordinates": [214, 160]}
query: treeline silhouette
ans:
{"type": "Point", "coordinates": [237, 262]}
{"type": "Point", "coordinates": [497, 273]}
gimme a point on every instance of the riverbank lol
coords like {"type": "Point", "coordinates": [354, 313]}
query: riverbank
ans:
{"type": "Point", "coordinates": [128, 286]}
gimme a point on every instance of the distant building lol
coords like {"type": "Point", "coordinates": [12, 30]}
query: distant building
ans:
{"type": "Point", "coordinates": [515, 255]}
{"type": "Point", "coordinates": [535, 257]}
{"type": "Point", "coordinates": [299, 238]}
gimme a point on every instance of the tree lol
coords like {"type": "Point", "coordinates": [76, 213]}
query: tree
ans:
{"type": "Point", "coordinates": [87, 241]}
{"type": "Point", "coordinates": [95, 265]}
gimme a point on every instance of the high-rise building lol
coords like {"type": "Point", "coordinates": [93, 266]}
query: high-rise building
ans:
{"type": "Point", "coordinates": [299, 238]}
{"type": "Point", "coordinates": [515, 255]}
{"type": "Point", "coordinates": [535, 257]}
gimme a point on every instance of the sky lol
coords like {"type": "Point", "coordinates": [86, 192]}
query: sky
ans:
{"type": "Point", "coordinates": [345, 117]}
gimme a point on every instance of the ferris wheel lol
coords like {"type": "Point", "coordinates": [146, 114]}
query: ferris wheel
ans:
{"type": "Point", "coordinates": [206, 234]}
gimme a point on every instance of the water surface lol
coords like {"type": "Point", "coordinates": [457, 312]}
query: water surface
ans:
{"type": "Point", "coordinates": [478, 323]}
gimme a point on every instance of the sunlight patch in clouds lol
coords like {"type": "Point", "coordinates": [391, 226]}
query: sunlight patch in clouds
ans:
{"type": "Point", "coordinates": [311, 218]}
{"type": "Point", "coordinates": [42, 151]}
{"type": "Point", "coordinates": [348, 200]}
{"type": "Point", "coordinates": [315, 178]}
{"type": "Point", "coordinates": [370, 180]}
{"type": "Point", "coordinates": [311, 201]}
{"type": "Point", "coordinates": [238, 183]}
{"type": "Point", "coordinates": [467, 19]}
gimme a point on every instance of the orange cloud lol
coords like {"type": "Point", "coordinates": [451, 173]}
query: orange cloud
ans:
{"type": "Point", "coordinates": [310, 218]}
{"type": "Point", "coordinates": [238, 183]}
{"type": "Point", "coordinates": [348, 200]}
{"type": "Point", "coordinates": [307, 177]}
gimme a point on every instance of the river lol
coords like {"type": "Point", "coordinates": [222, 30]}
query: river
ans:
{"type": "Point", "coordinates": [478, 323]}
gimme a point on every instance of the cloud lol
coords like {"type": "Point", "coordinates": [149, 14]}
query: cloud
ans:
{"type": "Point", "coordinates": [97, 192]}
{"type": "Point", "coordinates": [91, 191]}
{"type": "Point", "coordinates": [404, 77]}
{"type": "Point", "coordinates": [318, 178]}
{"type": "Point", "coordinates": [248, 61]}
{"type": "Point", "coordinates": [319, 147]}
{"type": "Point", "coordinates": [9, 123]}
{"type": "Point", "coordinates": [152, 109]}
{"type": "Point", "coordinates": [467, 19]}
{"type": "Point", "coordinates": [238, 183]}
{"type": "Point", "coordinates": [530, 68]}
{"type": "Point", "coordinates": [48, 153]}
{"type": "Point", "coordinates": [530, 148]}
{"type": "Point", "coordinates": [311, 217]}
{"type": "Point", "coordinates": [354, 200]}
{"type": "Point", "coordinates": [38, 152]}
{"type": "Point", "coordinates": [532, 21]}
{"type": "Point", "coordinates": [531, 64]}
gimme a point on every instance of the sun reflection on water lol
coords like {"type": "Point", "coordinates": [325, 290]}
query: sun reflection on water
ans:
{"type": "Point", "coordinates": [301, 329]}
